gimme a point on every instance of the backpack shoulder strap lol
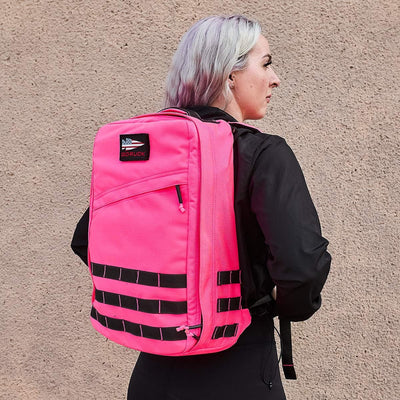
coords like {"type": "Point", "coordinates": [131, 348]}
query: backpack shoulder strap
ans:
{"type": "Point", "coordinates": [286, 349]}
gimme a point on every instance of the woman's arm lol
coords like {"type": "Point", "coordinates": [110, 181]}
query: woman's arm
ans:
{"type": "Point", "coordinates": [299, 263]}
{"type": "Point", "coordinates": [79, 242]}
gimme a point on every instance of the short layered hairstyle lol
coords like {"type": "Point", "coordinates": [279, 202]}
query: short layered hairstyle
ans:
{"type": "Point", "coordinates": [208, 53]}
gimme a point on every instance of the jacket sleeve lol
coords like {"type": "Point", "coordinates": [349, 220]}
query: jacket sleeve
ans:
{"type": "Point", "coordinates": [298, 261]}
{"type": "Point", "coordinates": [79, 242]}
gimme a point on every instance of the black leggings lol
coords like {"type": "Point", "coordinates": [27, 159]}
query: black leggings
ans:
{"type": "Point", "coordinates": [248, 370]}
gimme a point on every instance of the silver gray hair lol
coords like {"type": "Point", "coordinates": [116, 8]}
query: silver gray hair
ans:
{"type": "Point", "coordinates": [208, 53]}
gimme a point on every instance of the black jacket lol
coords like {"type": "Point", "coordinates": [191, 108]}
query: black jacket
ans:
{"type": "Point", "coordinates": [278, 230]}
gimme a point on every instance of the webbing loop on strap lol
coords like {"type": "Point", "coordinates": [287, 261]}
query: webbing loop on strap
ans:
{"type": "Point", "coordinates": [175, 281]}
{"type": "Point", "coordinates": [149, 332]}
{"type": "Point", "coordinates": [143, 305]}
{"type": "Point", "coordinates": [286, 349]}
{"type": "Point", "coordinates": [228, 277]}
{"type": "Point", "coordinates": [225, 331]}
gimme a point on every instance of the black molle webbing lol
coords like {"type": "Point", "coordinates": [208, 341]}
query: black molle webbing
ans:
{"type": "Point", "coordinates": [143, 305]}
{"type": "Point", "coordinates": [229, 304]}
{"type": "Point", "coordinates": [175, 281]}
{"type": "Point", "coordinates": [228, 277]}
{"type": "Point", "coordinates": [225, 331]}
{"type": "Point", "coordinates": [149, 332]}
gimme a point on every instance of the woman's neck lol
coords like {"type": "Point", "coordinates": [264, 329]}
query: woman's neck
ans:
{"type": "Point", "coordinates": [231, 108]}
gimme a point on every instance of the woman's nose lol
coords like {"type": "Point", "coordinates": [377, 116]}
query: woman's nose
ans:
{"type": "Point", "coordinates": [275, 81]}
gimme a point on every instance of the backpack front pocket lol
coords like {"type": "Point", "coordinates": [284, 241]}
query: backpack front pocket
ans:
{"type": "Point", "coordinates": [152, 226]}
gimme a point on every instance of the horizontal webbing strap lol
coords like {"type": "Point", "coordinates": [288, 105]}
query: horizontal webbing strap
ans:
{"type": "Point", "coordinates": [149, 332]}
{"type": "Point", "coordinates": [229, 304]}
{"type": "Point", "coordinates": [143, 305]}
{"type": "Point", "coordinates": [175, 281]}
{"type": "Point", "coordinates": [228, 277]}
{"type": "Point", "coordinates": [225, 331]}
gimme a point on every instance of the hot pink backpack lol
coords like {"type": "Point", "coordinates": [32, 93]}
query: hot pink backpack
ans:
{"type": "Point", "coordinates": [162, 237]}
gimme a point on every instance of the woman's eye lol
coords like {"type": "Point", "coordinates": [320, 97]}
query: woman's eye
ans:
{"type": "Point", "coordinates": [267, 64]}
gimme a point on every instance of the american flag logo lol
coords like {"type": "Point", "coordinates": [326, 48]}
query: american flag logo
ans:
{"type": "Point", "coordinates": [130, 144]}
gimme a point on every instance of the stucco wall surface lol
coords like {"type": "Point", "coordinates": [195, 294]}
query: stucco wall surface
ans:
{"type": "Point", "coordinates": [67, 67]}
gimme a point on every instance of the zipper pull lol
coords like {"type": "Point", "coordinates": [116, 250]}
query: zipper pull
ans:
{"type": "Point", "coordinates": [187, 330]}
{"type": "Point", "coordinates": [178, 192]}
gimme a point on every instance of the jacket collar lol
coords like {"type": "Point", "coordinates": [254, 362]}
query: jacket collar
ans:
{"type": "Point", "coordinates": [208, 112]}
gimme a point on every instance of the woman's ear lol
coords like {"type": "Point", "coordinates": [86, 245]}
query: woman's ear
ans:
{"type": "Point", "coordinates": [230, 81]}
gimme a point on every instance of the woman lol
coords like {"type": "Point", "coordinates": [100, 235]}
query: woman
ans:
{"type": "Point", "coordinates": [222, 70]}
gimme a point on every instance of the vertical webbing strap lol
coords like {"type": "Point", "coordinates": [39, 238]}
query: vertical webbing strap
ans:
{"type": "Point", "coordinates": [286, 349]}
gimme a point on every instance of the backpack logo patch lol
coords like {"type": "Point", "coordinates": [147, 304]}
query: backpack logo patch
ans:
{"type": "Point", "coordinates": [129, 144]}
{"type": "Point", "coordinates": [135, 147]}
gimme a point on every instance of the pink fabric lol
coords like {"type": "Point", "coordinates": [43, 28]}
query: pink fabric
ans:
{"type": "Point", "coordinates": [137, 222]}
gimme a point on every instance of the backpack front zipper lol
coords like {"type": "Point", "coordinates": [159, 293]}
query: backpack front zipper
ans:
{"type": "Point", "coordinates": [179, 193]}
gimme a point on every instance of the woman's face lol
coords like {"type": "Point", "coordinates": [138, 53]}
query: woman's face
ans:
{"type": "Point", "coordinates": [252, 87]}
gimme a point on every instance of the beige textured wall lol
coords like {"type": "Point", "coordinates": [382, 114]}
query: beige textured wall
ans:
{"type": "Point", "coordinates": [67, 67]}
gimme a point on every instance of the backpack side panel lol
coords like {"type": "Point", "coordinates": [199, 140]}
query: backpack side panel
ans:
{"type": "Point", "coordinates": [220, 298]}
